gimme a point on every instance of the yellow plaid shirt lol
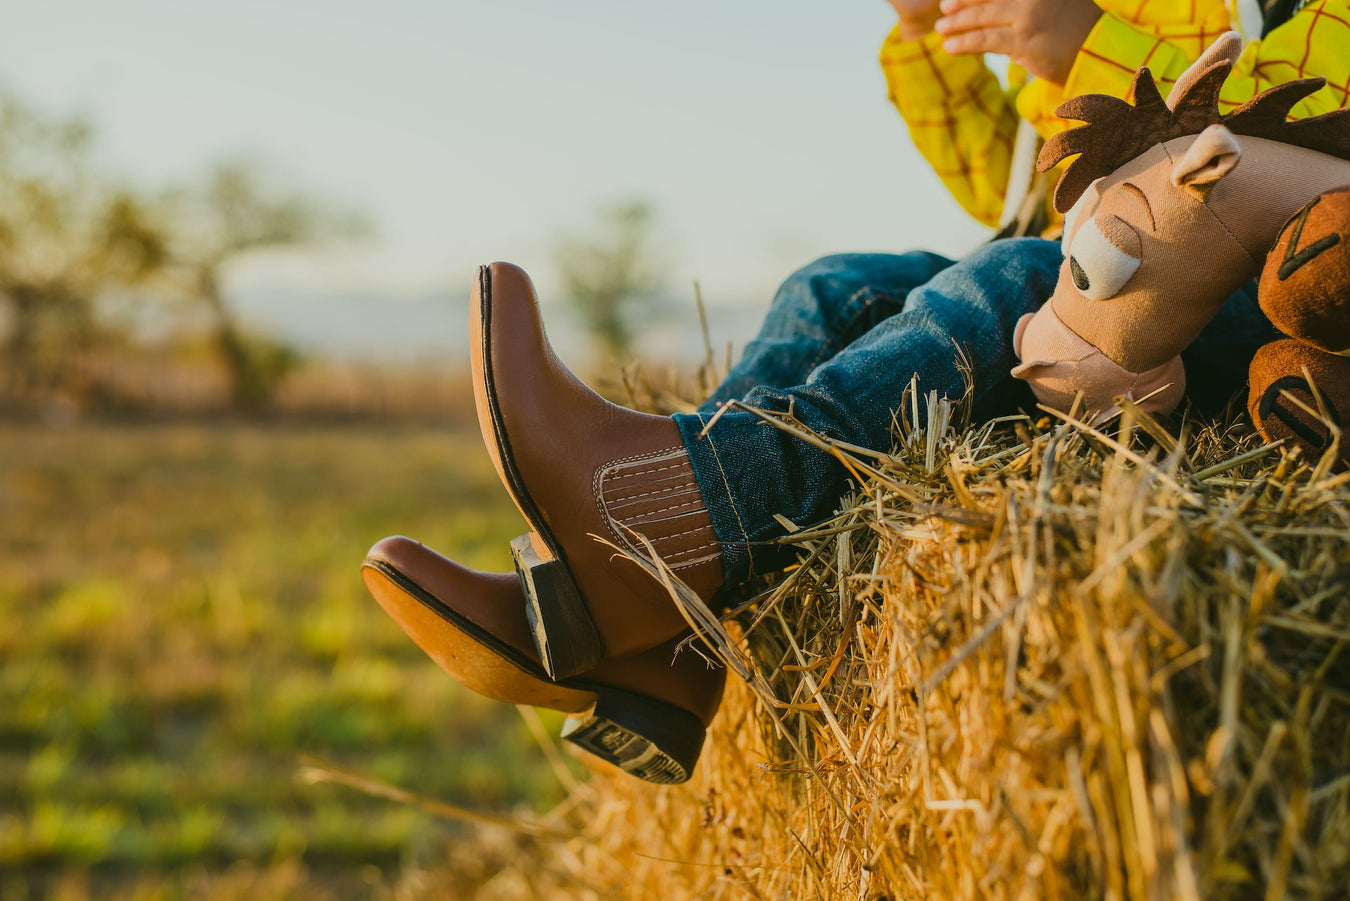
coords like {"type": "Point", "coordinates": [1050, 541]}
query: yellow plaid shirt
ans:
{"type": "Point", "coordinates": [963, 120]}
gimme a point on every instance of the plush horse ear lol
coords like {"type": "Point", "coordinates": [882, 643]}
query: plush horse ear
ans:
{"type": "Point", "coordinates": [1214, 153]}
{"type": "Point", "coordinates": [1224, 51]}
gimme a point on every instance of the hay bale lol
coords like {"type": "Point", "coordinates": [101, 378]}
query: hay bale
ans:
{"type": "Point", "coordinates": [1026, 660]}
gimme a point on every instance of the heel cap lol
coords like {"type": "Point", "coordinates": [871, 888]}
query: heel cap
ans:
{"type": "Point", "coordinates": [561, 626]}
{"type": "Point", "coordinates": [646, 738]}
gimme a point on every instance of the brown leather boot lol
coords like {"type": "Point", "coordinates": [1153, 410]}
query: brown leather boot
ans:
{"type": "Point", "coordinates": [584, 472]}
{"type": "Point", "coordinates": [1276, 375]}
{"type": "Point", "coordinates": [646, 714]}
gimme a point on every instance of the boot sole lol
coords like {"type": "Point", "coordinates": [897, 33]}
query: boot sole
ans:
{"type": "Point", "coordinates": [645, 737]}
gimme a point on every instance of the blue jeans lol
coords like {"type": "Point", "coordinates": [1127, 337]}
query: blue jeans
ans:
{"type": "Point", "coordinates": [838, 348]}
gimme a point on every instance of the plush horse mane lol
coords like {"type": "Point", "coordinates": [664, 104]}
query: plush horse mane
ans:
{"type": "Point", "coordinates": [1117, 131]}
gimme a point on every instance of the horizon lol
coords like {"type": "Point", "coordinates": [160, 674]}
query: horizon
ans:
{"type": "Point", "coordinates": [473, 131]}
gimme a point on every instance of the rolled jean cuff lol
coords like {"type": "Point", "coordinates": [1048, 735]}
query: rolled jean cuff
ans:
{"type": "Point", "coordinates": [737, 556]}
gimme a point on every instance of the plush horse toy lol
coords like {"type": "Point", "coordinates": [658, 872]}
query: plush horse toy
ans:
{"type": "Point", "coordinates": [1169, 208]}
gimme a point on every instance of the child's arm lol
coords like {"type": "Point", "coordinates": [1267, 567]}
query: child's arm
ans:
{"type": "Point", "coordinates": [1310, 44]}
{"type": "Point", "coordinates": [916, 17]}
{"type": "Point", "coordinates": [1041, 36]}
{"type": "Point", "coordinates": [959, 117]}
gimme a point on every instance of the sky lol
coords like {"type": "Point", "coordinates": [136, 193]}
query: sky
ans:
{"type": "Point", "coordinates": [475, 130]}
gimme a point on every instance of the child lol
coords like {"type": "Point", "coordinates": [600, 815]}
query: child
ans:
{"type": "Point", "coordinates": [845, 335]}
{"type": "Point", "coordinates": [964, 122]}
{"type": "Point", "coordinates": [838, 348]}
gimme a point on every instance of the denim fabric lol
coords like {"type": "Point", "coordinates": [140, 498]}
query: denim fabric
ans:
{"type": "Point", "coordinates": [839, 346]}
{"type": "Point", "coordinates": [1217, 361]}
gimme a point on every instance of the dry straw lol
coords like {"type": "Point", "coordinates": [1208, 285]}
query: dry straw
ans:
{"type": "Point", "coordinates": [1026, 660]}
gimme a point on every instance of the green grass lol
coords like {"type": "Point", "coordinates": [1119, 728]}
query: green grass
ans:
{"type": "Point", "coordinates": [181, 616]}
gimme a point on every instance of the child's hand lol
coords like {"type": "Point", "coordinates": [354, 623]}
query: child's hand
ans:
{"type": "Point", "coordinates": [1041, 36]}
{"type": "Point", "coordinates": [916, 17]}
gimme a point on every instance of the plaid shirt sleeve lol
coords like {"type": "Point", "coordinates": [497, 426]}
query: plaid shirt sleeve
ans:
{"type": "Point", "coordinates": [959, 116]}
{"type": "Point", "coordinates": [1314, 42]}
{"type": "Point", "coordinates": [963, 121]}
{"type": "Point", "coordinates": [1117, 46]}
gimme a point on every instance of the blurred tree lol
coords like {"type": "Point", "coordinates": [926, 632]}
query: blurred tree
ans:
{"type": "Point", "coordinates": [70, 234]}
{"type": "Point", "coordinates": [67, 235]}
{"type": "Point", "coordinates": [235, 211]}
{"type": "Point", "coordinates": [605, 270]}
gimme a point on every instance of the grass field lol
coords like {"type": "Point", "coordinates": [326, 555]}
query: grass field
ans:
{"type": "Point", "coordinates": [181, 616]}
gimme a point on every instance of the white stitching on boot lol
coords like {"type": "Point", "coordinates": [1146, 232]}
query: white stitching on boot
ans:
{"type": "Point", "coordinates": [625, 513]}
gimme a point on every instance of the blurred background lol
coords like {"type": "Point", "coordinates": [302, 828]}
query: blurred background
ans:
{"type": "Point", "coordinates": [236, 242]}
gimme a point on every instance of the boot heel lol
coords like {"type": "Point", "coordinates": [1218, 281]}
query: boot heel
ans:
{"type": "Point", "coordinates": [644, 737]}
{"type": "Point", "coordinates": [563, 632]}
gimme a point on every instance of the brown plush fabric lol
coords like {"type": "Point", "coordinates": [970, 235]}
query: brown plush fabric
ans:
{"type": "Point", "coordinates": [1305, 286]}
{"type": "Point", "coordinates": [1277, 373]}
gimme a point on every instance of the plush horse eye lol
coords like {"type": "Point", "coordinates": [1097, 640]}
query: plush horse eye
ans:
{"type": "Point", "coordinates": [1080, 278]}
{"type": "Point", "coordinates": [1099, 268]}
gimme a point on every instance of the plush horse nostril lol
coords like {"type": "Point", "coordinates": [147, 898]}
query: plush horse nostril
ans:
{"type": "Point", "coordinates": [1080, 278]}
